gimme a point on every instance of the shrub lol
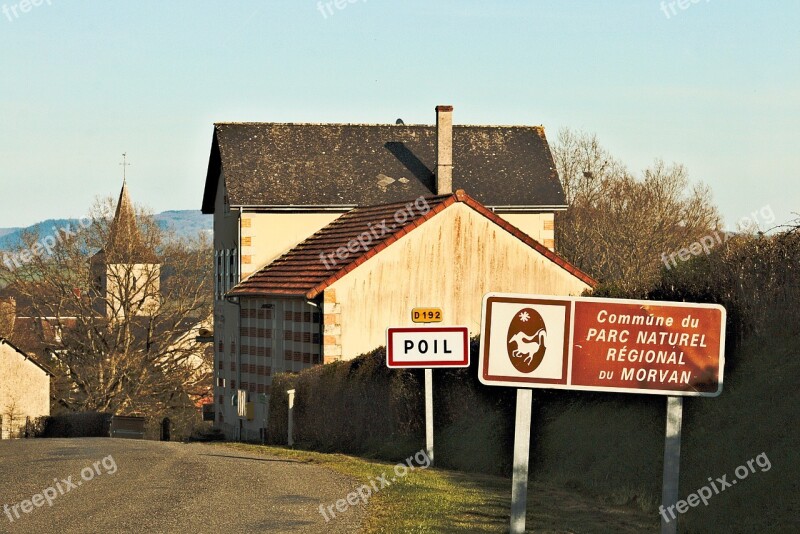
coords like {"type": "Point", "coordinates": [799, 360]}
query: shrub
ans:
{"type": "Point", "coordinates": [359, 406]}
{"type": "Point", "coordinates": [363, 407]}
{"type": "Point", "coordinates": [73, 425]}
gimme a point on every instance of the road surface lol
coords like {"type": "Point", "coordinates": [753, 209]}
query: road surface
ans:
{"type": "Point", "coordinates": [110, 485]}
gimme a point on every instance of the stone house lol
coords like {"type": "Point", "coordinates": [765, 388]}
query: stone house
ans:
{"type": "Point", "coordinates": [295, 286]}
{"type": "Point", "coordinates": [24, 390]}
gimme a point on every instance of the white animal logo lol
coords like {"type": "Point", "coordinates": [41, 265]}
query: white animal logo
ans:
{"type": "Point", "coordinates": [527, 346]}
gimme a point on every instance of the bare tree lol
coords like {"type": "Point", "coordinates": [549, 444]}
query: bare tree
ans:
{"type": "Point", "coordinates": [12, 413]}
{"type": "Point", "coordinates": [618, 227]}
{"type": "Point", "coordinates": [7, 316]}
{"type": "Point", "coordinates": [114, 303]}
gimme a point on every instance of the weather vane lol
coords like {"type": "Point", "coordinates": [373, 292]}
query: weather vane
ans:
{"type": "Point", "coordinates": [124, 165]}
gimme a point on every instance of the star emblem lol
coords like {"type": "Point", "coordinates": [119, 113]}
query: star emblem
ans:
{"type": "Point", "coordinates": [524, 317]}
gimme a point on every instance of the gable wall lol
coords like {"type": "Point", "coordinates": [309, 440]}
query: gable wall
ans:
{"type": "Point", "coordinates": [449, 262]}
{"type": "Point", "coordinates": [540, 226]}
{"type": "Point", "coordinates": [24, 390]}
{"type": "Point", "coordinates": [266, 236]}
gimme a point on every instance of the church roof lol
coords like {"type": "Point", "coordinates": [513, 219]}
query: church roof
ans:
{"type": "Point", "coordinates": [125, 242]}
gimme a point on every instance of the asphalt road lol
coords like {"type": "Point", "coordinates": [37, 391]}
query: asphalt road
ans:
{"type": "Point", "coordinates": [146, 486]}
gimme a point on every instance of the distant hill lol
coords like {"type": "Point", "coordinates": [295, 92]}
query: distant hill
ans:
{"type": "Point", "coordinates": [185, 223]}
{"type": "Point", "coordinates": [6, 231]}
{"type": "Point", "coordinates": [12, 237]}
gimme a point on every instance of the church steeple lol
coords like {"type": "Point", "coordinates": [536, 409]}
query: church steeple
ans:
{"type": "Point", "coordinates": [125, 241]}
{"type": "Point", "coordinates": [126, 273]}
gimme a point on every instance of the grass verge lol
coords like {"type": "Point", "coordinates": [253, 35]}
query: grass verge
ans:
{"type": "Point", "coordinates": [437, 500]}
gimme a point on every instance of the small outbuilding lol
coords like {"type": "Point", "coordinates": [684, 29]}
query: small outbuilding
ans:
{"type": "Point", "coordinates": [24, 390]}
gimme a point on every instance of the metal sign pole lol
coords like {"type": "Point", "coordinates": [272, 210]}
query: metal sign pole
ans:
{"type": "Point", "coordinates": [672, 461]}
{"type": "Point", "coordinates": [522, 443]}
{"type": "Point", "coordinates": [290, 437]}
{"type": "Point", "coordinates": [429, 413]}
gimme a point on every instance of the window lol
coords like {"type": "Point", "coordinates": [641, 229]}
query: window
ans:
{"type": "Point", "coordinates": [233, 271]}
{"type": "Point", "coordinates": [218, 275]}
{"type": "Point", "coordinates": [226, 271]}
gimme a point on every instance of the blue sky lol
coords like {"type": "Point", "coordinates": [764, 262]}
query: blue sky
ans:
{"type": "Point", "coordinates": [715, 86]}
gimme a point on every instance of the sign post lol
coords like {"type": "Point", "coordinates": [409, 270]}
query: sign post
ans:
{"type": "Point", "coordinates": [290, 425]}
{"type": "Point", "coordinates": [429, 413]}
{"type": "Point", "coordinates": [672, 461]}
{"type": "Point", "coordinates": [522, 443]}
{"type": "Point", "coordinates": [426, 348]}
{"type": "Point", "coordinates": [594, 344]}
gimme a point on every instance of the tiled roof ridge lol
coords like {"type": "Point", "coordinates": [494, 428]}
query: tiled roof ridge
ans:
{"type": "Point", "coordinates": [377, 124]}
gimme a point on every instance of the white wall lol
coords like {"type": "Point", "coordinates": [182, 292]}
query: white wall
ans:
{"type": "Point", "coordinates": [449, 262]}
{"type": "Point", "coordinates": [24, 390]}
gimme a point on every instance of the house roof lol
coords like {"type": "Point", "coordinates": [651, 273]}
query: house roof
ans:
{"type": "Point", "coordinates": [348, 165]}
{"type": "Point", "coordinates": [34, 362]}
{"type": "Point", "coordinates": [302, 272]}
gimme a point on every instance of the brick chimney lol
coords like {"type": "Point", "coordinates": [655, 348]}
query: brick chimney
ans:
{"type": "Point", "coordinates": [444, 150]}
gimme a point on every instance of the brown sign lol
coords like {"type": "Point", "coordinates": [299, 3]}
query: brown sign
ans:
{"type": "Point", "coordinates": [633, 346]}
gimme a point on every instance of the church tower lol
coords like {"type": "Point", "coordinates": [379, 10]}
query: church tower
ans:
{"type": "Point", "coordinates": [126, 273]}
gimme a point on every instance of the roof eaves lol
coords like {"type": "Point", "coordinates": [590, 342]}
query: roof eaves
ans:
{"type": "Point", "coordinates": [245, 292]}
{"type": "Point", "coordinates": [530, 209]}
{"type": "Point", "coordinates": [341, 208]}
{"type": "Point", "coordinates": [212, 176]}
